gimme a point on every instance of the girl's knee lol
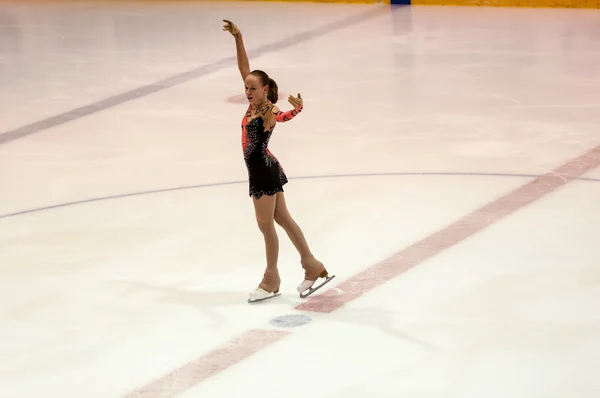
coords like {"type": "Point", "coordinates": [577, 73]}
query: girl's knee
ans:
{"type": "Point", "coordinates": [280, 219]}
{"type": "Point", "coordinates": [266, 226]}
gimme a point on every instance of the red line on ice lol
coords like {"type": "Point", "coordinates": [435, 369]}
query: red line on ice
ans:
{"type": "Point", "coordinates": [460, 230]}
{"type": "Point", "coordinates": [253, 341]}
{"type": "Point", "coordinates": [195, 372]}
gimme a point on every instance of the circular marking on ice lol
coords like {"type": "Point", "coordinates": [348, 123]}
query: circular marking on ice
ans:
{"type": "Point", "coordinates": [289, 321]}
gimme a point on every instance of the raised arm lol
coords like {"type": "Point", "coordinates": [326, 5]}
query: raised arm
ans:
{"type": "Point", "coordinates": [242, 57]}
{"type": "Point", "coordinates": [298, 105]}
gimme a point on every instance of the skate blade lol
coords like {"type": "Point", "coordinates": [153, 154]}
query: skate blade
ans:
{"type": "Point", "coordinates": [272, 296]}
{"type": "Point", "coordinates": [311, 289]}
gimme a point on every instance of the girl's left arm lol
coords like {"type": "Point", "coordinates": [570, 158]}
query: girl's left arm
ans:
{"type": "Point", "coordinates": [298, 105]}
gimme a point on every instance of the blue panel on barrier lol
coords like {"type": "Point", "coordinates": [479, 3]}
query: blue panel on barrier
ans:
{"type": "Point", "coordinates": [403, 2]}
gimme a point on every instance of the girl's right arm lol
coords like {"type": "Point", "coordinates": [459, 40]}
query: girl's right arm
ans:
{"type": "Point", "coordinates": [242, 57]}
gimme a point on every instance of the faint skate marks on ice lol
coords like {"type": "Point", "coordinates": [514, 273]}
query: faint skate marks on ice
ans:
{"type": "Point", "coordinates": [564, 177]}
{"type": "Point", "coordinates": [288, 321]}
{"type": "Point", "coordinates": [485, 149]}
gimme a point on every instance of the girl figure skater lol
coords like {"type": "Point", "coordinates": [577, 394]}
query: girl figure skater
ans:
{"type": "Point", "coordinates": [266, 176]}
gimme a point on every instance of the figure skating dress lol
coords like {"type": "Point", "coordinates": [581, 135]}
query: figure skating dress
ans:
{"type": "Point", "coordinates": [265, 174]}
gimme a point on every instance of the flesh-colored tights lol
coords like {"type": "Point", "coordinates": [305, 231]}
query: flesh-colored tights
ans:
{"type": "Point", "coordinates": [270, 210]}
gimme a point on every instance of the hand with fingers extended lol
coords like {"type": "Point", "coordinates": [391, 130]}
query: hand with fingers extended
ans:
{"type": "Point", "coordinates": [297, 103]}
{"type": "Point", "coordinates": [230, 27]}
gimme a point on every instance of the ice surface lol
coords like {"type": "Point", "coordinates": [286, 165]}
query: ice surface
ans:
{"type": "Point", "coordinates": [128, 242]}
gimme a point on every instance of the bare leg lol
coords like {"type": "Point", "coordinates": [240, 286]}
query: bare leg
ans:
{"type": "Point", "coordinates": [313, 268]}
{"type": "Point", "coordinates": [264, 209]}
{"type": "Point", "coordinates": [291, 228]}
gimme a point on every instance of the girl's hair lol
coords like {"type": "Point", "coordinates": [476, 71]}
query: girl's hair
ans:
{"type": "Point", "coordinates": [265, 80]}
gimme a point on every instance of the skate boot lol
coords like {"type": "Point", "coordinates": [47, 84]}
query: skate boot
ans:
{"type": "Point", "coordinates": [267, 289]}
{"type": "Point", "coordinates": [313, 270]}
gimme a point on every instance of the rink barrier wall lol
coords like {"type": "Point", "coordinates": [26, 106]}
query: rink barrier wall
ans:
{"type": "Point", "coordinates": [475, 3]}
{"type": "Point", "coordinates": [589, 4]}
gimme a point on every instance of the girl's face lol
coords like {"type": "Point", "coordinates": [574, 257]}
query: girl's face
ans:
{"type": "Point", "coordinates": [255, 92]}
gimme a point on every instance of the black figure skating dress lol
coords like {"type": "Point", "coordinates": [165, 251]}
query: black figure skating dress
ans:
{"type": "Point", "coordinates": [265, 174]}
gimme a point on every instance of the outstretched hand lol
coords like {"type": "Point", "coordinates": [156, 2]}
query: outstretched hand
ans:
{"type": "Point", "coordinates": [231, 27]}
{"type": "Point", "coordinates": [296, 102]}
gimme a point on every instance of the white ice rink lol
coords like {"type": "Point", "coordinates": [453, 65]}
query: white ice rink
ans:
{"type": "Point", "coordinates": [128, 243]}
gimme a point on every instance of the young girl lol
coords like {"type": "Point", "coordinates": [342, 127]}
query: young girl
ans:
{"type": "Point", "coordinates": [266, 176]}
